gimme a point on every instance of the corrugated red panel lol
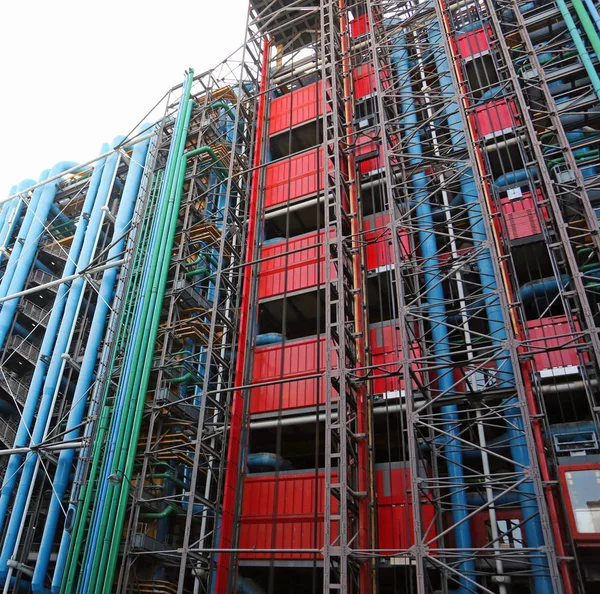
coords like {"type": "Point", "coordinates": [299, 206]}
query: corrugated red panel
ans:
{"type": "Point", "coordinates": [367, 154]}
{"type": "Point", "coordinates": [365, 83]}
{"type": "Point", "coordinates": [553, 333]}
{"type": "Point", "coordinates": [494, 116]}
{"type": "Point", "coordinates": [474, 42]}
{"type": "Point", "coordinates": [293, 178]}
{"type": "Point", "coordinates": [301, 269]}
{"type": "Point", "coordinates": [380, 251]}
{"type": "Point", "coordinates": [293, 517]}
{"type": "Point", "coordinates": [299, 360]}
{"type": "Point", "coordinates": [359, 26]}
{"type": "Point", "coordinates": [281, 513]}
{"type": "Point", "coordinates": [520, 216]}
{"type": "Point", "coordinates": [386, 345]}
{"type": "Point", "coordinates": [295, 108]}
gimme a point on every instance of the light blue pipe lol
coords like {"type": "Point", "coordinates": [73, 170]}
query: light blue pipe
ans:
{"type": "Point", "coordinates": [28, 252]}
{"type": "Point", "coordinates": [103, 485]}
{"type": "Point", "coordinates": [593, 13]}
{"type": "Point", "coordinates": [434, 297]}
{"type": "Point", "coordinates": [37, 380]}
{"type": "Point", "coordinates": [13, 261]}
{"type": "Point", "coordinates": [56, 364]}
{"type": "Point", "coordinates": [5, 208]}
{"type": "Point", "coordinates": [88, 365]}
{"type": "Point", "coordinates": [514, 420]}
{"type": "Point", "coordinates": [267, 462]}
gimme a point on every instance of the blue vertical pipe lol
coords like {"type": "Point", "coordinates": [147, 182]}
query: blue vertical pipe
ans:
{"type": "Point", "coordinates": [4, 210]}
{"type": "Point", "coordinates": [88, 365]}
{"type": "Point", "coordinates": [22, 234]}
{"type": "Point", "coordinates": [495, 317]}
{"type": "Point", "coordinates": [119, 404]}
{"type": "Point", "coordinates": [434, 297]}
{"type": "Point", "coordinates": [37, 380]}
{"type": "Point", "coordinates": [28, 252]}
{"type": "Point", "coordinates": [55, 366]}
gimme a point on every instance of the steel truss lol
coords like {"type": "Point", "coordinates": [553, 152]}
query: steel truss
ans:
{"type": "Point", "coordinates": [182, 450]}
{"type": "Point", "coordinates": [464, 366]}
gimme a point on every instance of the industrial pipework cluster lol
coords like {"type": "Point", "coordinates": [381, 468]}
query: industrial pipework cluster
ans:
{"type": "Point", "coordinates": [330, 324]}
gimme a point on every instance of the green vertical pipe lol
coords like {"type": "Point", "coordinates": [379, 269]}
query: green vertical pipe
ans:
{"type": "Point", "coordinates": [77, 544]}
{"type": "Point", "coordinates": [588, 26]}
{"type": "Point", "coordinates": [579, 45]}
{"type": "Point", "coordinates": [133, 396]}
{"type": "Point", "coordinates": [139, 389]}
{"type": "Point", "coordinates": [79, 525]}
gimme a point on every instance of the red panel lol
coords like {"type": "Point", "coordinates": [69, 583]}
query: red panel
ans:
{"type": "Point", "coordinates": [359, 26]}
{"type": "Point", "coordinates": [293, 178]}
{"type": "Point", "coordinates": [520, 216]}
{"type": "Point", "coordinates": [474, 42]}
{"type": "Point", "coordinates": [494, 116]}
{"type": "Point", "coordinates": [367, 154]}
{"type": "Point", "coordinates": [295, 108]}
{"type": "Point", "coordinates": [386, 354]}
{"type": "Point", "coordinates": [380, 251]}
{"type": "Point", "coordinates": [299, 360]}
{"type": "Point", "coordinates": [365, 83]}
{"type": "Point", "coordinates": [552, 333]}
{"type": "Point", "coordinates": [295, 514]}
{"type": "Point", "coordinates": [300, 269]}
{"type": "Point", "coordinates": [395, 525]}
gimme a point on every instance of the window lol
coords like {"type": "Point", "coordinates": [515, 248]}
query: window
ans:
{"type": "Point", "coordinates": [584, 493]}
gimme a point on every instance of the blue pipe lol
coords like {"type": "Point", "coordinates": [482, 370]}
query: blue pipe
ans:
{"type": "Point", "coordinates": [11, 213]}
{"type": "Point", "coordinates": [5, 208]}
{"type": "Point", "coordinates": [267, 462]}
{"type": "Point", "coordinates": [56, 364]}
{"type": "Point", "coordinates": [14, 261]}
{"type": "Point", "coordinates": [88, 365]}
{"type": "Point", "coordinates": [118, 407]}
{"type": "Point", "coordinates": [28, 412]}
{"type": "Point", "coordinates": [548, 287]}
{"type": "Point", "coordinates": [27, 253]}
{"type": "Point", "coordinates": [593, 13]}
{"type": "Point", "coordinates": [247, 586]}
{"type": "Point", "coordinates": [514, 420]}
{"type": "Point", "coordinates": [437, 310]}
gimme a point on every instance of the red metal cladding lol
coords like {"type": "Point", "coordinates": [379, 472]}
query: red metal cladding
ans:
{"type": "Point", "coordinates": [295, 108]}
{"type": "Point", "coordinates": [293, 178]}
{"type": "Point", "coordinates": [580, 485]}
{"type": "Point", "coordinates": [474, 42]}
{"type": "Point", "coordinates": [304, 268]}
{"type": "Point", "coordinates": [365, 83]}
{"type": "Point", "coordinates": [281, 514]}
{"type": "Point", "coordinates": [300, 359]}
{"type": "Point", "coordinates": [377, 236]}
{"type": "Point", "coordinates": [367, 153]}
{"type": "Point", "coordinates": [552, 334]}
{"type": "Point", "coordinates": [386, 355]}
{"type": "Point", "coordinates": [520, 216]}
{"type": "Point", "coordinates": [359, 26]}
{"type": "Point", "coordinates": [494, 117]}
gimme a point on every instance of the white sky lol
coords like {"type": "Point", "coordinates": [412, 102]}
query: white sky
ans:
{"type": "Point", "coordinates": [76, 74]}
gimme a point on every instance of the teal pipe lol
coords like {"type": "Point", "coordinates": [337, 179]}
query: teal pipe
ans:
{"type": "Point", "coordinates": [579, 44]}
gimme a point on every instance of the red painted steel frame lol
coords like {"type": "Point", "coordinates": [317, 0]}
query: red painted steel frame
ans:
{"type": "Point", "coordinates": [589, 538]}
{"type": "Point", "coordinates": [531, 401]}
{"type": "Point", "coordinates": [237, 408]}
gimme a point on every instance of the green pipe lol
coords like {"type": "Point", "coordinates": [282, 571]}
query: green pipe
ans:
{"type": "Point", "coordinates": [140, 345]}
{"type": "Point", "coordinates": [183, 378]}
{"type": "Point", "coordinates": [81, 524]}
{"type": "Point", "coordinates": [579, 45]}
{"type": "Point", "coordinates": [170, 509]}
{"type": "Point", "coordinates": [588, 26]}
{"type": "Point", "coordinates": [229, 111]}
{"type": "Point", "coordinates": [170, 477]}
{"type": "Point", "coordinates": [143, 350]}
{"type": "Point", "coordinates": [84, 496]}
{"type": "Point", "coordinates": [580, 157]}
{"type": "Point", "coordinates": [197, 272]}
{"type": "Point", "coordinates": [141, 384]}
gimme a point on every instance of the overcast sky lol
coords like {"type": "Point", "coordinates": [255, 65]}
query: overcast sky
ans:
{"type": "Point", "coordinates": [76, 74]}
